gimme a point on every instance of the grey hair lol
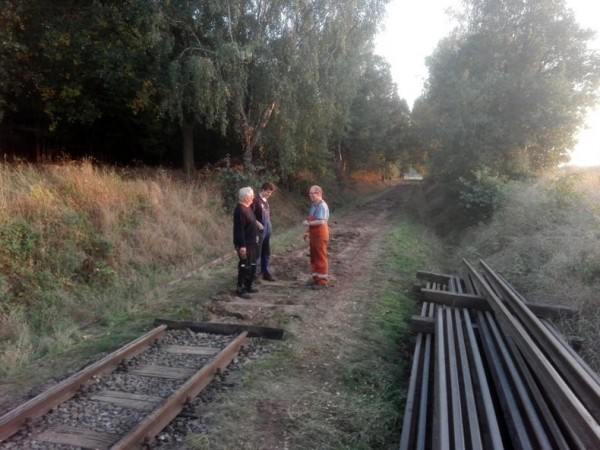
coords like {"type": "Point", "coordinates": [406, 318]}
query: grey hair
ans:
{"type": "Point", "coordinates": [244, 193]}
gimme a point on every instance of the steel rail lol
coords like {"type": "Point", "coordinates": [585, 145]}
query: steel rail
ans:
{"type": "Point", "coordinates": [454, 397]}
{"type": "Point", "coordinates": [520, 386]}
{"type": "Point", "coordinates": [560, 338]}
{"type": "Point", "coordinates": [473, 437]}
{"type": "Point", "coordinates": [492, 435]}
{"type": "Point", "coordinates": [552, 329]}
{"type": "Point", "coordinates": [581, 424]}
{"type": "Point", "coordinates": [415, 411]}
{"type": "Point", "coordinates": [15, 420]}
{"type": "Point", "coordinates": [424, 400]}
{"type": "Point", "coordinates": [580, 380]}
{"type": "Point", "coordinates": [544, 409]}
{"type": "Point", "coordinates": [470, 371]}
{"type": "Point", "coordinates": [147, 430]}
{"type": "Point", "coordinates": [470, 436]}
{"type": "Point", "coordinates": [517, 426]}
{"type": "Point", "coordinates": [441, 428]}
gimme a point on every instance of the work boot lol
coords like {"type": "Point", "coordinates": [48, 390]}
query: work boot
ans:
{"type": "Point", "coordinates": [252, 290]}
{"type": "Point", "coordinates": [242, 292]}
{"type": "Point", "coordinates": [268, 277]}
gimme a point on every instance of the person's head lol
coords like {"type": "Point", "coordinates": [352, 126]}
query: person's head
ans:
{"type": "Point", "coordinates": [267, 189]}
{"type": "Point", "coordinates": [315, 193]}
{"type": "Point", "coordinates": [245, 195]}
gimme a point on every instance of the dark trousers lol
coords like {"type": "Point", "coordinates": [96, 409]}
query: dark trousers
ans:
{"type": "Point", "coordinates": [264, 254]}
{"type": "Point", "coordinates": [247, 269]}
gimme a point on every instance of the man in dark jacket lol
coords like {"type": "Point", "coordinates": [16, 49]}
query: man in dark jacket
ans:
{"type": "Point", "coordinates": [245, 241]}
{"type": "Point", "coordinates": [262, 211]}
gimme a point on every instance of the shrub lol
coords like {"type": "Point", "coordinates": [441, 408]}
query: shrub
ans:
{"type": "Point", "coordinates": [233, 179]}
{"type": "Point", "coordinates": [482, 195]}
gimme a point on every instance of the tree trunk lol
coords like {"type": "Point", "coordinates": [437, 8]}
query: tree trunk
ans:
{"type": "Point", "coordinates": [251, 134]}
{"type": "Point", "coordinates": [338, 160]}
{"type": "Point", "coordinates": [189, 166]}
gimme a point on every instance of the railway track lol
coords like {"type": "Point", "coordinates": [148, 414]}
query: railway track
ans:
{"type": "Point", "coordinates": [124, 400]}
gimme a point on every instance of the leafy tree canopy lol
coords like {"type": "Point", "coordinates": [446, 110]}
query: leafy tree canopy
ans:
{"type": "Point", "coordinates": [508, 90]}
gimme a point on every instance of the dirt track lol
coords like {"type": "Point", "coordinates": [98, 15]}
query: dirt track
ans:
{"type": "Point", "coordinates": [351, 238]}
{"type": "Point", "coordinates": [322, 324]}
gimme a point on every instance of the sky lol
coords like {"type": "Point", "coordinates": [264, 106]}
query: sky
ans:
{"type": "Point", "coordinates": [413, 29]}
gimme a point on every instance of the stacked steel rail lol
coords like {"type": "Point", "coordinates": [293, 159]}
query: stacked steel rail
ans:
{"type": "Point", "coordinates": [491, 372]}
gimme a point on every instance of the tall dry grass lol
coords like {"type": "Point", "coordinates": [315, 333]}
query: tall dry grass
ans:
{"type": "Point", "coordinates": [75, 237]}
{"type": "Point", "coordinates": [546, 242]}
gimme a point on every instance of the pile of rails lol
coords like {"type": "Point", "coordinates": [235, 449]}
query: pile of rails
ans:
{"type": "Point", "coordinates": [491, 372]}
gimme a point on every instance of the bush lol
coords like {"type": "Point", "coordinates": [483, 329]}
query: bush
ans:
{"type": "Point", "coordinates": [233, 179]}
{"type": "Point", "coordinates": [481, 196]}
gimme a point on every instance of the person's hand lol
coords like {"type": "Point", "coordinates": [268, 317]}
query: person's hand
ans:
{"type": "Point", "coordinates": [306, 223]}
{"type": "Point", "coordinates": [260, 226]}
{"type": "Point", "coordinates": [242, 252]}
{"type": "Point", "coordinates": [305, 236]}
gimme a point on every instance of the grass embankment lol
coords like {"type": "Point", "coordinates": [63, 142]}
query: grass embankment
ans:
{"type": "Point", "coordinates": [545, 240]}
{"type": "Point", "coordinates": [83, 245]}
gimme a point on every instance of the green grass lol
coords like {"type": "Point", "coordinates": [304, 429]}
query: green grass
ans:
{"type": "Point", "coordinates": [386, 340]}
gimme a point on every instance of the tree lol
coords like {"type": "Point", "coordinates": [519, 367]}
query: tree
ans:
{"type": "Point", "coordinates": [379, 121]}
{"type": "Point", "coordinates": [276, 78]}
{"type": "Point", "coordinates": [10, 53]}
{"type": "Point", "coordinates": [508, 90]}
{"type": "Point", "coordinates": [72, 64]}
{"type": "Point", "coordinates": [331, 41]}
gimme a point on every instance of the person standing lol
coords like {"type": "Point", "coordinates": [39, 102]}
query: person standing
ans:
{"type": "Point", "coordinates": [318, 233]}
{"type": "Point", "coordinates": [262, 211]}
{"type": "Point", "coordinates": [245, 241]}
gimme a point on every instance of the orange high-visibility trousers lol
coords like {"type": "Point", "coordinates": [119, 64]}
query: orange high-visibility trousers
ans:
{"type": "Point", "coordinates": [319, 263]}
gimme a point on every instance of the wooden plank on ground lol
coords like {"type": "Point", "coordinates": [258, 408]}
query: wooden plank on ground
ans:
{"type": "Point", "coordinates": [552, 311]}
{"type": "Point", "coordinates": [479, 303]}
{"type": "Point", "coordinates": [454, 299]}
{"type": "Point", "coordinates": [191, 350]}
{"type": "Point", "coordinates": [420, 324]}
{"type": "Point", "coordinates": [223, 328]}
{"type": "Point", "coordinates": [433, 277]}
{"type": "Point", "coordinates": [129, 400]}
{"type": "Point", "coordinates": [175, 373]}
{"type": "Point", "coordinates": [78, 437]}
{"type": "Point", "coordinates": [255, 304]}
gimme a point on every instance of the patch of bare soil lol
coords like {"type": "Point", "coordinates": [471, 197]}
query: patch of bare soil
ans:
{"type": "Point", "coordinates": [351, 238]}
{"type": "Point", "coordinates": [322, 323]}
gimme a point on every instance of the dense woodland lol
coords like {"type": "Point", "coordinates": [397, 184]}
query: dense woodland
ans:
{"type": "Point", "coordinates": [290, 87]}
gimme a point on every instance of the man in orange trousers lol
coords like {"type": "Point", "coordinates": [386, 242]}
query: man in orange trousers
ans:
{"type": "Point", "coordinates": [318, 233]}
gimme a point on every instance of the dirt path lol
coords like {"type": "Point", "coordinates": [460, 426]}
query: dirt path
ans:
{"type": "Point", "coordinates": [350, 248]}
{"type": "Point", "coordinates": [319, 325]}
